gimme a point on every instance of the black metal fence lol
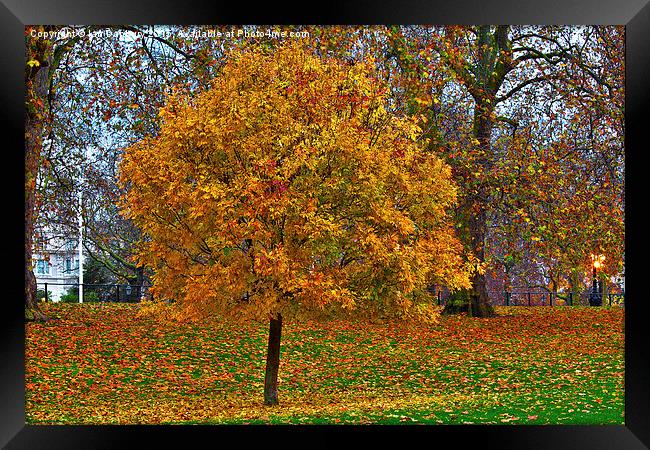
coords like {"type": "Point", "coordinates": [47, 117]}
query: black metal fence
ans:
{"type": "Point", "coordinates": [546, 298]}
{"type": "Point", "coordinates": [105, 292]}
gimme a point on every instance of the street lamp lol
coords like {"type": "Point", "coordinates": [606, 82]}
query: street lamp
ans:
{"type": "Point", "coordinates": [595, 299]}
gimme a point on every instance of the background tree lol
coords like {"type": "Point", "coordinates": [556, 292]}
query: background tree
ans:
{"type": "Point", "coordinates": [542, 104]}
{"type": "Point", "coordinates": [40, 62]}
{"type": "Point", "coordinates": [287, 187]}
{"type": "Point", "coordinates": [104, 95]}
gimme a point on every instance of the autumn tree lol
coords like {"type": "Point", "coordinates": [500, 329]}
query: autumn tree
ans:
{"type": "Point", "coordinates": [561, 192]}
{"type": "Point", "coordinates": [287, 187]}
{"type": "Point", "coordinates": [518, 111]}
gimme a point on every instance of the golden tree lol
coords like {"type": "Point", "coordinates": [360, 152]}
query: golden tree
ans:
{"type": "Point", "coordinates": [289, 186]}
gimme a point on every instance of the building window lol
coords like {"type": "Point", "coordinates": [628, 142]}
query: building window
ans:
{"type": "Point", "coordinates": [42, 267]}
{"type": "Point", "coordinates": [68, 264]}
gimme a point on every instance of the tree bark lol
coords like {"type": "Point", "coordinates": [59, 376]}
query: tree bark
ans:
{"type": "Point", "coordinates": [273, 362]}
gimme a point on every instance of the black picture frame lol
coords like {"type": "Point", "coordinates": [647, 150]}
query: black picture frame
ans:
{"type": "Point", "coordinates": [15, 14]}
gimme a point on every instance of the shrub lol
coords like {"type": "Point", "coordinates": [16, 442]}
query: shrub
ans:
{"type": "Point", "coordinates": [71, 295]}
{"type": "Point", "coordinates": [458, 302]}
{"type": "Point", "coordinates": [40, 295]}
{"type": "Point", "coordinates": [91, 297]}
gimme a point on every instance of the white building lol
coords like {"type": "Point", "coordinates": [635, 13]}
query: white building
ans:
{"type": "Point", "coordinates": [56, 266]}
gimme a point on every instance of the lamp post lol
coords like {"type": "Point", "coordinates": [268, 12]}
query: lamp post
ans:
{"type": "Point", "coordinates": [595, 299]}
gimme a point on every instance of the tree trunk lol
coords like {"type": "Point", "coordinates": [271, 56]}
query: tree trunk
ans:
{"type": "Point", "coordinates": [491, 66]}
{"type": "Point", "coordinates": [476, 209]}
{"type": "Point", "coordinates": [273, 362]}
{"type": "Point", "coordinates": [32, 311]}
{"type": "Point", "coordinates": [480, 302]}
{"type": "Point", "coordinates": [477, 302]}
{"type": "Point", "coordinates": [140, 282]}
{"type": "Point", "coordinates": [136, 285]}
{"type": "Point", "coordinates": [37, 84]}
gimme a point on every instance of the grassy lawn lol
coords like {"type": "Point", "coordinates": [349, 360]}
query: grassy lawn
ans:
{"type": "Point", "coordinates": [100, 364]}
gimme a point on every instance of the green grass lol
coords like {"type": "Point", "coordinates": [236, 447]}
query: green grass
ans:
{"type": "Point", "coordinates": [539, 365]}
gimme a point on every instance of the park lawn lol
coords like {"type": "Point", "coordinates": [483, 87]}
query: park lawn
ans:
{"type": "Point", "coordinates": [103, 364]}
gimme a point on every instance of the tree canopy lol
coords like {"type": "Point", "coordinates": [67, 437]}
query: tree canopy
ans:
{"type": "Point", "coordinates": [287, 185]}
